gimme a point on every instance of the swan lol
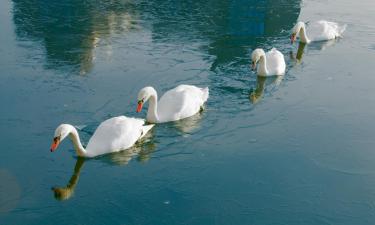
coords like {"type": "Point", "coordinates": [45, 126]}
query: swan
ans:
{"type": "Point", "coordinates": [178, 103]}
{"type": "Point", "coordinates": [317, 31]}
{"type": "Point", "coordinates": [112, 135]}
{"type": "Point", "coordinates": [270, 63]}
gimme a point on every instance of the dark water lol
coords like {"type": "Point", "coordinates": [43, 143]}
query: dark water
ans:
{"type": "Point", "coordinates": [297, 150]}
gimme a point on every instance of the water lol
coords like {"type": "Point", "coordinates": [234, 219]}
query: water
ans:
{"type": "Point", "coordinates": [297, 150]}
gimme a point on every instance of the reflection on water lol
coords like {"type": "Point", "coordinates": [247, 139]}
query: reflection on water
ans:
{"type": "Point", "coordinates": [70, 31]}
{"type": "Point", "coordinates": [190, 124]}
{"type": "Point", "coordinates": [260, 18]}
{"type": "Point", "coordinates": [64, 193]}
{"type": "Point", "coordinates": [317, 45]}
{"type": "Point", "coordinates": [147, 149]}
{"type": "Point", "coordinates": [257, 94]}
{"type": "Point", "coordinates": [300, 51]}
{"type": "Point", "coordinates": [143, 149]}
{"type": "Point", "coordinates": [250, 25]}
{"type": "Point", "coordinates": [322, 45]}
{"type": "Point", "coordinates": [301, 156]}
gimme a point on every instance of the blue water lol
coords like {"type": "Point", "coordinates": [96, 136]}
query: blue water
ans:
{"type": "Point", "coordinates": [296, 150]}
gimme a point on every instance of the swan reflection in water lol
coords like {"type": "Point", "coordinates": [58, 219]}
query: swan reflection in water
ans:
{"type": "Point", "coordinates": [262, 83]}
{"type": "Point", "coordinates": [298, 57]}
{"type": "Point", "coordinates": [322, 45]}
{"type": "Point", "coordinates": [319, 46]}
{"type": "Point", "coordinates": [143, 149]}
{"type": "Point", "coordinates": [190, 124]}
{"type": "Point", "coordinates": [64, 193]}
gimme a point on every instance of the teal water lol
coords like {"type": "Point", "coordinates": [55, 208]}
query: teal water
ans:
{"type": "Point", "coordinates": [297, 150]}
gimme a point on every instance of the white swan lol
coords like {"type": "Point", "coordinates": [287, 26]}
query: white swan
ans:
{"type": "Point", "coordinates": [317, 31]}
{"type": "Point", "coordinates": [270, 63]}
{"type": "Point", "coordinates": [112, 135]}
{"type": "Point", "coordinates": [178, 103]}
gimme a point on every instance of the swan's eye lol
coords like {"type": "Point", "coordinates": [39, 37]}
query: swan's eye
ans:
{"type": "Point", "coordinates": [56, 139]}
{"type": "Point", "coordinates": [140, 104]}
{"type": "Point", "coordinates": [55, 143]}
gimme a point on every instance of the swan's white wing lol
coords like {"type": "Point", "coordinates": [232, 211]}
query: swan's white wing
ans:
{"type": "Point", "coordinates": [115, 134]}
{"type": "Point", "coordinates": [181, 102]}
{"type": "Point", "coordinates": [275, 62]}
{"type": "Point", "coordinates": [335, 29]}
{"type": "Point", "coordinates": [324, 30]}
{"type": "Point", "coordinates": [316, 30]}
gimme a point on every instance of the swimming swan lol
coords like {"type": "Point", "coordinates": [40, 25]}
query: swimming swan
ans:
{"type": "Point", "coordinates": [112, 135]}
{"type": "Point", "coordinates": [178, 103]}
{"type": "Point", "coordinates": [270, 63]}
{"type": "Point", "coordinates": [317, 31]}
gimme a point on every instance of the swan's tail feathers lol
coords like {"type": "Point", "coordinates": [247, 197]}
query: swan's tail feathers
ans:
{"type": "Point", "coordinates": [341, 29]}
{"type": "Point", "coordinates": [205, 93]}
{"type": "Point", "coordinates": [146, 129]}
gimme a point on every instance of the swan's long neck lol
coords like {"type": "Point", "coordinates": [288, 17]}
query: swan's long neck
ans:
{"type": "Point", "coordinates": [80, 150]}
{"type": "Point", "coordinates": [262, 69]}
{"type": "Point", "coordinates": [302, 34]}
{"type": "Point", "coordinates": [152, 113]}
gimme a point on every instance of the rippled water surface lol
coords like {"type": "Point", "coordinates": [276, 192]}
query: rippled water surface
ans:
{"type": "Point", "coordinates": [295, 150]}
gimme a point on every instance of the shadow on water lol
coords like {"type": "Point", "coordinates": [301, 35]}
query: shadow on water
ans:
{"type": "Point", "coordinates": [142, 149]}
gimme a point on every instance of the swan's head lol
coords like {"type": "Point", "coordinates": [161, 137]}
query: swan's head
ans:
{"type": "Point", "coordinates": [143, 95]}
{"type": "Point", "coordinates": [63, 193]}
{"type": "Point", "coordinates": [61, 133]}
{"type": "Point", "coordinates": [255, 56]}
{"type": "Point", "coordinates": [295, 31]}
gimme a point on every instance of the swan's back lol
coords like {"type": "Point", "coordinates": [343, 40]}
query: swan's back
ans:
{"type": "Point", "coordinates": [181, 102]}
{"type": "Point", "coordinates": [324, 30]}
{"type": "Point", "coordinates": [275, 62]}
{"type": "Point", "coordinates": [115, 134]}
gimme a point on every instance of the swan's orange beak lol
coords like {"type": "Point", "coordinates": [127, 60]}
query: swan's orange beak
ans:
{"type": "Point", "coordinates": [292, 38]}
{"type": "Point", "coordinates": [139, 107]}
{"type": "Point", "coordinates": [55, 143]}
